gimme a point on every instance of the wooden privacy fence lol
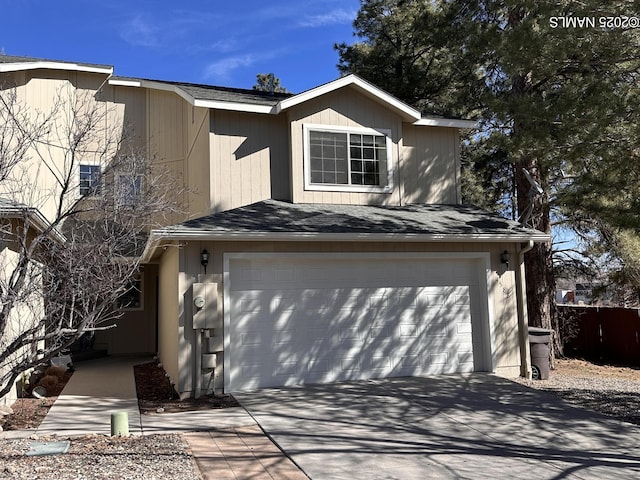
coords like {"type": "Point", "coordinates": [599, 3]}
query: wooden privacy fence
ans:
{"type": "Point", "coordinates": [608, 334]}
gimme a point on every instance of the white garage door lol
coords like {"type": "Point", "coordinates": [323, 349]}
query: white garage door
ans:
{"type": "Point", "coordinates": [295, 320]}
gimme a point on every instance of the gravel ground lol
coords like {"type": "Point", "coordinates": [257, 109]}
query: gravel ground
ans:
{"type": "Point", "coordinates": [94, 457]}
{"type": "Point", "coordinates": [613, 391]}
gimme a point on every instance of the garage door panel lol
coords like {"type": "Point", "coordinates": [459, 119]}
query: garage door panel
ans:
{"type": "Point", "coordinates": [438, 328]}
{"type": "Point", "coordinates": [286, 337]}
{"type": "Point", "coordinates": [379, 364]}
{"type": "Point", "coordinates": [287, 369]}
{"type": "Point", "coordinates": [309, 325]}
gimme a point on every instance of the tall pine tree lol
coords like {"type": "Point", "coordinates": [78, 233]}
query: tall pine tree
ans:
{"type": "Point", "coordinates": [556, 100]}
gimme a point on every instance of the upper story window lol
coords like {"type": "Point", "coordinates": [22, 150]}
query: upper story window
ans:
{"type": "Point", "coordinates": [89, 180]}
{"type": "Point", "coordinates": [347, 159]}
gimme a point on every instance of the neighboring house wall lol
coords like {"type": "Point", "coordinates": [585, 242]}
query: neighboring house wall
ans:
{"type": "Point", "coordinates": [500, 282]}
{"type": "Point", "coordinates": [26, 314]}
{"type": "Point", "coordinates": [120, 119]}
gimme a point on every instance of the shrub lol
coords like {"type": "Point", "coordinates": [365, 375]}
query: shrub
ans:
{"type": "Point", "coordinates": [49, 382]}
{"type": "Point", "coordinates": [56, 371]}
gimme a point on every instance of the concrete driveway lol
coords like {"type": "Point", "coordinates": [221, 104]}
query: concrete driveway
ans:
{"type": "Point", "coordinates": [476, 426]}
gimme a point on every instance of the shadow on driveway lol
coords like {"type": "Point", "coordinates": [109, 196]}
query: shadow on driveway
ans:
{"type": "Point", "coordinates": [475, 426]}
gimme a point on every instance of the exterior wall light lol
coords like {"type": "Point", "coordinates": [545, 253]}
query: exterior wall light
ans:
{"type": "Point", "coordinates": [505, 258]}
{"type": "Point", "coordinates": [204, 259]}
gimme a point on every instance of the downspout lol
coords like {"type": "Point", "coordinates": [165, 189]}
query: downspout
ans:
{"type": "Point", "coordinates": [523, 319]}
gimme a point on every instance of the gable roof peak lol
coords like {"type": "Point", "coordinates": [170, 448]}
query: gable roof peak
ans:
{"type": "Point", "coordinates": [352, 80]}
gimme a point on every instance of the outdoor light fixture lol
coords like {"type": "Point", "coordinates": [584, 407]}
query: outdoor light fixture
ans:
{"type": "Point", "coordinates": [204, 259]}
{"type": "Point", "coordinates": [505, 257]}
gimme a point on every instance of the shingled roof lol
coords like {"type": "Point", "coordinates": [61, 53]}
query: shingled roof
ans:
{"type": "Point", "coordinates": [214, 93]}
{"type": "Point", "coordinates": [272, 218]}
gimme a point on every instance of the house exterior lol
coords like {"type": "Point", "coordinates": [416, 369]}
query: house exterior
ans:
{"type": "Point", "coordinates": [323, 238]}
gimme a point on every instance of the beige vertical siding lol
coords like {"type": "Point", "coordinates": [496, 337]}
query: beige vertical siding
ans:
{"type": "Point", "coordinates": [132, 103]}
{"type": "Point", "coordinates": [429, 164]}
{"type": "Point", "coordinates": [503, 293]}
{"type": "Point", "coordinates": [136, 329]}
{"type": "Point", "coordinates": [59, 94]}
{"type": "Point", "coordinates": [197, 164]}
{"type": "Point", "coordinates": [243, 148]}
{"type": "Point", "coordinates": [168, 312]}
{"type": "Point", "coordinates": [167, 119]}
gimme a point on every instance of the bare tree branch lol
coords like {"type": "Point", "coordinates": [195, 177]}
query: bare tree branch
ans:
{"type": "Point", "coordinates": [64, 275]}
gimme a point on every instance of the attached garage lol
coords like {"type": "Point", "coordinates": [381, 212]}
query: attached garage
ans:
{"type": "Point", "coordinates": [318, 318]}
{"type": "Point", "coordinates": [280, 294]}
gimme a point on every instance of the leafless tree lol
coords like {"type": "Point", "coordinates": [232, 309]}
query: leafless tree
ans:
{"type": "Point", "coordinates": [70, 241]}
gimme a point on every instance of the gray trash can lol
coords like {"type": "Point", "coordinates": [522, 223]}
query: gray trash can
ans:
{"type": "Point", "coordinates": [539, 341]}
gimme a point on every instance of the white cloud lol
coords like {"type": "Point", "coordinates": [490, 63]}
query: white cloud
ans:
{"type": "Point", "coordinates": [140, 31]}
{"type": "Point", "coordinates": [335, 17]}
{"type": "Point", "coordinates": [221, 70]}
{"type": "Point", "coordinates": [153, 29]}
{"type": "Point", "coordinates": [220, 46]}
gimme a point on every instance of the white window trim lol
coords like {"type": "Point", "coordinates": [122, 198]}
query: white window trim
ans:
{"type": "Point", "coordinates": [308, 127]}
{"type": "Point", "coordinates": [92, 164]}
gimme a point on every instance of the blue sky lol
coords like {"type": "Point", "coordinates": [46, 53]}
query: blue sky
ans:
{"type": "Point", "coordinates": [214, 42]}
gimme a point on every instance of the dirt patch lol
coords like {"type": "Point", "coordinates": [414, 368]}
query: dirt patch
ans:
{"type": "Point", "coordinates": [581, 368]}
{"type": "Point", "coordinates": [157, 395]}
{"type": "Point", "coordinates": [28, 412]}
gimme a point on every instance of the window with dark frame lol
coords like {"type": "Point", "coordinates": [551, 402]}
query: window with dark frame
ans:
{"type": "Point", "coordinates": [89, 180]}
{"type": "Point", "coordinates": [131, 299]}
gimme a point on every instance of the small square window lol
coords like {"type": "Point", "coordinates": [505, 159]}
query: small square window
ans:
{"type": "Point", "coordinates": [89, 180]}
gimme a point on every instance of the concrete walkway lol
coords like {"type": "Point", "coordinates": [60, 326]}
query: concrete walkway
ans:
{"type": "Point", "coordinates": [226, 443]}
{"type": "Point", "coordinates": [97, 389]}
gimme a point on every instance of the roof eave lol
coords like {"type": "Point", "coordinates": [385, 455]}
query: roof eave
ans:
{"type": "Point", "coordinates": [235, 106]}
{"type": "Point", "coordinates": [166, 87]}
{"type": "Point", "coordinates": [157, 237]}
{"type": "Point", "coordinates": [74, 67]}
{"type": "Point", "coordinates": [214, 104]}
{"type": "Point", "coordinates": [40, 223]}
{"type": "Point", "coordinates": [347, 237]}
{"type": "Point", "coordinates": [446, 122]}
{"type": "Point", "coordinates": [407, 112]}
